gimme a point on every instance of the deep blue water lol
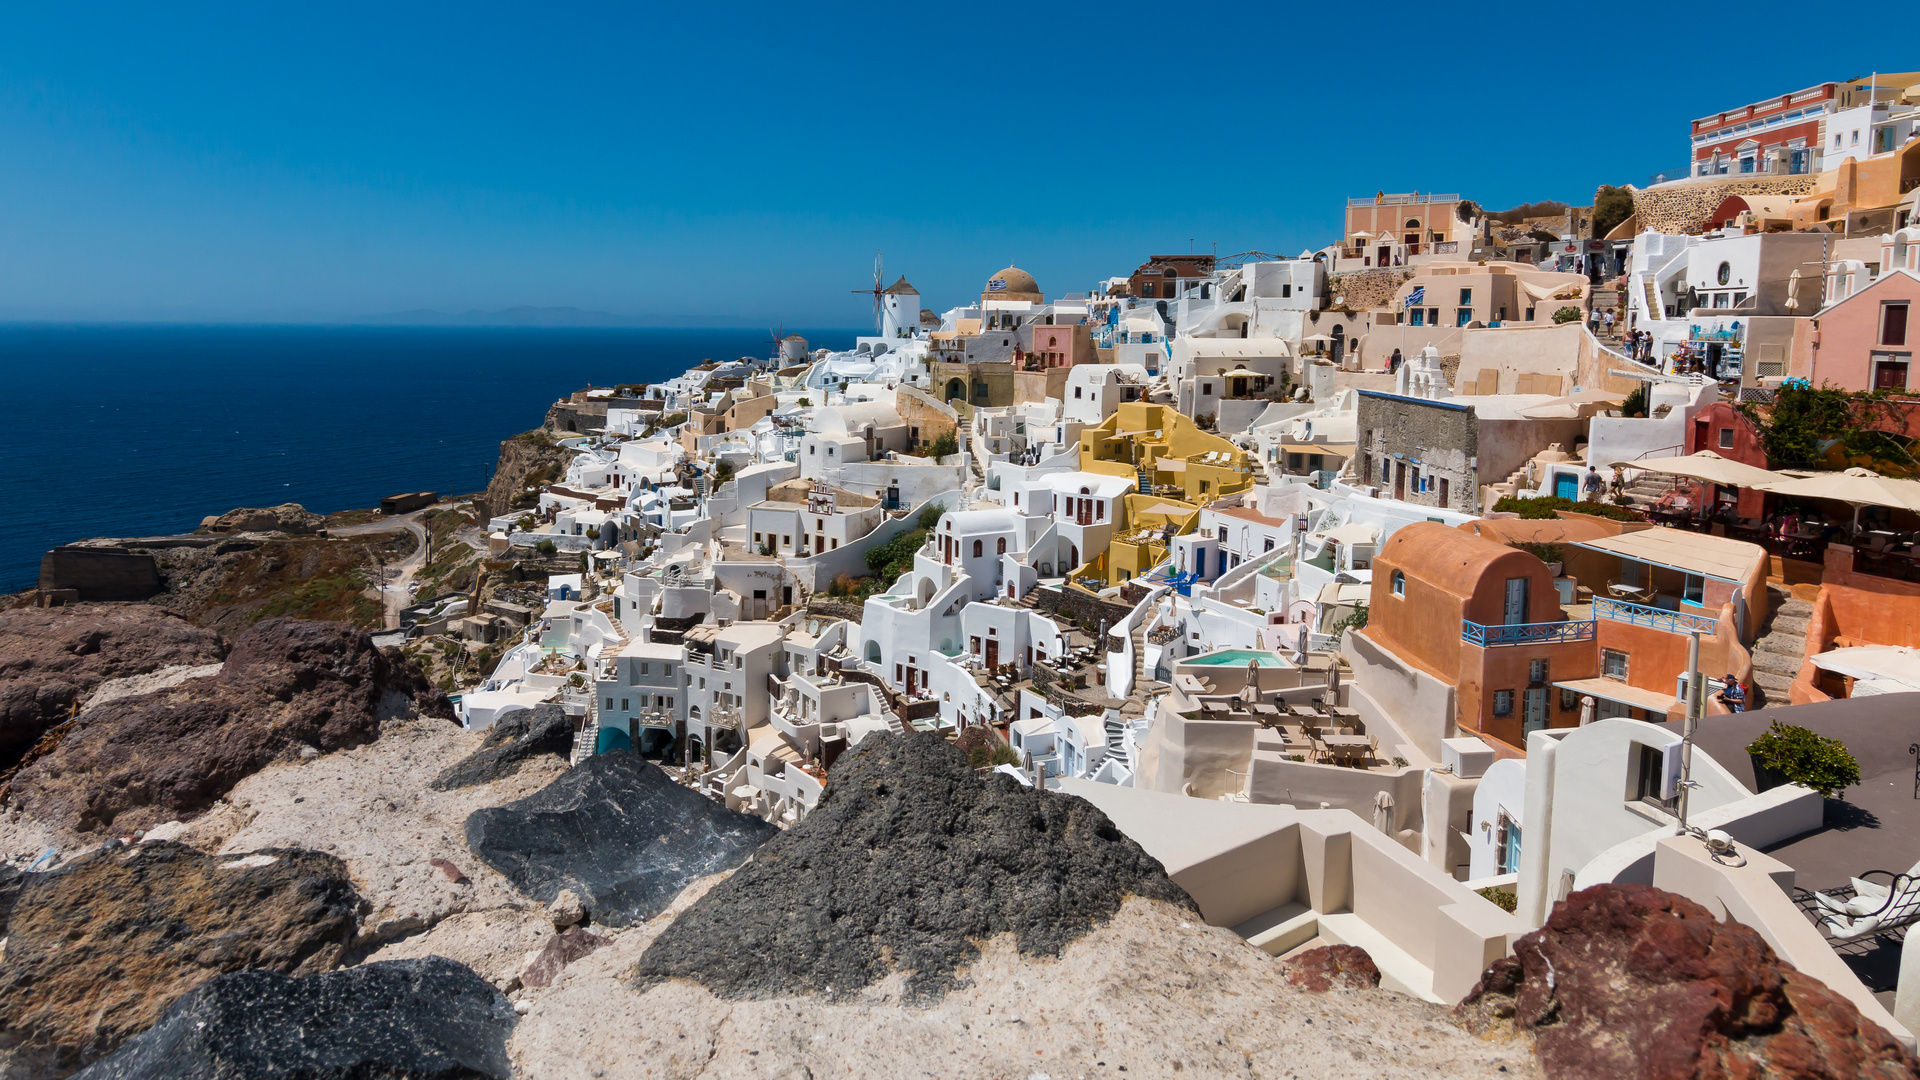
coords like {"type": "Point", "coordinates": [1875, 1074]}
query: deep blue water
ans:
{"type": "Point", "coordinates": [116, 430]}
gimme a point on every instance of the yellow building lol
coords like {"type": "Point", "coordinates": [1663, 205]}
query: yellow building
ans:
{"type": "Point", "coordinates": [1175, 469]}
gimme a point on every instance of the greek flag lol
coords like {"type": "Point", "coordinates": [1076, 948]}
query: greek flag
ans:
{"type": "Point", "coordinates": [1417, 296]}
{"type": "Point", "coordinates": [997, 285]}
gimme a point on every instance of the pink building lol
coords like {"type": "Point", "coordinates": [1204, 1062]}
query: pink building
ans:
{"type": "Point", "coordinates": [1865, 342]}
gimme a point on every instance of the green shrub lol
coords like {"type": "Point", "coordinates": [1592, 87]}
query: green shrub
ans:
{"type": "Point", "coordinates": [1805, 758]}
{"type": "Point", "coordinates": [545, 547]}
{"type": "Point", "coordinates": [1546, 507]}
{"type": "Point", "coordinates": [1566, 315]}
{"type": "Point", "coordinates": [929, 516]}
{"type": "Point", "coordinates": [945, 445]}
{"type": "Point", "coordinates": [804, 403]}
{"type": "Point", "coordinates": [1499, 897]}
{"type": "Point", "coordinates": [1546, 553]}
{"type": "Point", "coordinates": [722, 472]}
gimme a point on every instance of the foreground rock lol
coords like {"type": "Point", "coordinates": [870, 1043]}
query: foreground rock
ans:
{"type": "Point", "coordinates": [97, 949]}
{"type": "Point", "coordinates": [286, 518]}
{"type": "Point", "coordinates": [1629, 981]}
{"type": "Point", "coordinates": [428, 1018]}
{"type": "Point", "coordinates": [288, 685]}
{"type": "Point", "coordinates": [1151, 990]}
{"type": "Point", "coordinates": [618, 832]}
{"type": "Point", "coordinates": [908, 859]}
{"type": "Point", "coordinates": [51, 659]}
{"type": "Point", "coordinates": [514, 739]}
{"type": "Point", "coordinates": [370, 808]}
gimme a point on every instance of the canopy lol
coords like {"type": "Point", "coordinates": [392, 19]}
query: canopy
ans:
{"type": "Point", "coordinates": [1316, 337]}
{"type": "Point", "coordinates": [1894, 663]}
{"type": "Point", "coordinates": [1709, 466]}
{"type": "Point", "coordinates": [1860, 487]}
{"type": "Point", "coordinates": [1572, 406]}
{"type": "Point", "coordinates": [1353, 533]}
{"type": "Point", "coordinates": [1699, 553]}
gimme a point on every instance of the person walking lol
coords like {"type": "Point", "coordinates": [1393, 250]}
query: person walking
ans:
{"type": "Point", "coordinates": [1606, 320]}
{"type": "Point", "coordinates": [1593, 320]}
{"type": "Point", "coordinates": [1619, 486]}
{"type": "Point", "coordinates": [1593, 483]}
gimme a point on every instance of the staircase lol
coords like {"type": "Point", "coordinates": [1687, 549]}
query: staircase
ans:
{"type": "Point", "coordinates": [1780, 649]}
{"type": "Point", "coordinates": [1647, 488]}
{"type": "Point", "coordinates": [587, 739]}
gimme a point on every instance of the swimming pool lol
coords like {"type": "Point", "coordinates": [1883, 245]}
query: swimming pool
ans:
{"type": "Point", "coordinates": [1239, 658]}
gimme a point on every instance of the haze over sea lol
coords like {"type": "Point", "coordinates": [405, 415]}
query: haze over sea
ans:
{"type": "Point", "coordinates": [139, 430]}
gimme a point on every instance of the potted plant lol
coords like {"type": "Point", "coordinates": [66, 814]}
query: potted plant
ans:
{"type": "Point", "coordinates": [1789, 754]}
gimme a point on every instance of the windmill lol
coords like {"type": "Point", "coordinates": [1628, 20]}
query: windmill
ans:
{"type": "Point", "coordinates": [878, 292]}
{"type": "Point", "coordinates": [777, 333]}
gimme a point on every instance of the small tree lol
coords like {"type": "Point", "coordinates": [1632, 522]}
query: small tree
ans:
{"type": "Point", "coordinates": [1611, 206]}
{"type": "Point", "coordinates": [805, 403]}
{"type": "Point", "coordinates": [1804, 758]}
{"type": "Point", "coordinates": [1566, 315]}
{"type": "Point", "coordinates": [722, 472]}
{"type": "Point", "coordinates": [545, 547]}
{"type": "Point", "coordinates": [945, 445]}
{"type": "Point", "coordinates": [930, 515]}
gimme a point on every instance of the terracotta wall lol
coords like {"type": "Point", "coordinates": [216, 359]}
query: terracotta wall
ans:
{"type": "Point", "coordinates": [1855, 609]}
{"type": "Point", "coordinates": [1483, 671]}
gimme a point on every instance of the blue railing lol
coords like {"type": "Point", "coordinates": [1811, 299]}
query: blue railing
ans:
{"type": "Point", "coordinates": [1673, 622]}
{"type": "Point", "coordinates": [1538, 633]}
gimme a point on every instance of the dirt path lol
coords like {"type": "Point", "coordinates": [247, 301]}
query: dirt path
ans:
{"type": "Point", "coordinates": [394, 596]}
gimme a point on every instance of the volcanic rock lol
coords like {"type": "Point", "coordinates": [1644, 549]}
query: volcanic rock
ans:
{"type": "Point", "coordinates": [908, 860]}
{"type": "Point", "coordinates": [560, 950]}
{"type": "Point", "coordinates": [430, 1019]}
{"type": "Point", "coordinates": [98, 948]}
{"type": "Point", "coordinates": [285, 518]}
{"type": "Point", "coordinates": [514, 738]}
{"type": "Point", "coordinates": [1346, 966]}
{"type": "Point", "coordinates": [618, 832]}
{"type": "Point", "coordinates": [1630, 981]}
{"type": "Point", "coordinates": [52, 658]}
{"type": "Point", "coordinates": [287, 684]}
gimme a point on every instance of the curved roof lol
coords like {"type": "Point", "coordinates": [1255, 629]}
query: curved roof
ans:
{"type": "Point", "coordinates": [902, 288]}
{"type": "Point", "coordinates": [1015, 284]}
{"type": "Point", "coordinates": [1441, 556]}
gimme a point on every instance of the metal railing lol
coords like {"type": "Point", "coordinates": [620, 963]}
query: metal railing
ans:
{"type": "Point", "coordinates": [1550, 633]}
{"type": "Point", "coordinates": [1673, 622]}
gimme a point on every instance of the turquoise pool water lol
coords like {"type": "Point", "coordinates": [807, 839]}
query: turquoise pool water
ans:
{"type": "Point", "coordinates": [1239, 658]}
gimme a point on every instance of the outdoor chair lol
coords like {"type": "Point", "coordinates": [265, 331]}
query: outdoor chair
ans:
{"type": "Point", "coordinates": [1319, 745]}
{"type": "Point", "coordinates": [1874, 908]}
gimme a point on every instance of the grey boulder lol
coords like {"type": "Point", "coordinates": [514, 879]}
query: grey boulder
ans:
{"type": "Point", "coordinates": [514, 739]}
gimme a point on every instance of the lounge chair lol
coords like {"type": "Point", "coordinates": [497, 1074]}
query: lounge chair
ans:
{"type": "Point", "coordinates": [1874, 908]}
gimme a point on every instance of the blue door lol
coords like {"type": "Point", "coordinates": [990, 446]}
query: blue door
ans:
{"type": "Point", "coordinates": [1566, 486]}
{"type": "Point", "coordinates": [1200, 563]}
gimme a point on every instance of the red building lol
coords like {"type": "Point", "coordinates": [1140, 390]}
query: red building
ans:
{"type": "Point", "coordinates": [1775, 135]}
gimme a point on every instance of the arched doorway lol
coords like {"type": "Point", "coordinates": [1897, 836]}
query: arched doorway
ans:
{"type": "Point", "coordinates": [611, 739]}
{"type": "Point", "coordinates": [873, 652]}
{"type": "Point", "coordinates": [656, 743]}
{"type": "Point", "coordinates": [956, 389]}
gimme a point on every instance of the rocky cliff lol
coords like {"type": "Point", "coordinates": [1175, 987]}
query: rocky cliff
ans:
{"type": "Point", "coordinates": [528, 459]}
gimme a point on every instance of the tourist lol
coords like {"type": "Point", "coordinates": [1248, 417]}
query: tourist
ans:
{"type": "Point", "coordinates": [1732, 695]}
{"type": "Point", "coordinates": [1619, 485]}
{"type": "Point", "coordinates": [1593, 483]}
{"type": "Point", "coordinates": [1606, 320]}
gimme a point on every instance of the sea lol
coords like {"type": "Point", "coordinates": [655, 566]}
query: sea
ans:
{"type": "Point", "coordinates": [142, 430]}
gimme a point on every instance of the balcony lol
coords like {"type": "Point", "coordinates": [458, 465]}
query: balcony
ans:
{"type": "Point", "coordinates": [1547, 633]}
{"type": "Point", "coordinates": [1673, 622]}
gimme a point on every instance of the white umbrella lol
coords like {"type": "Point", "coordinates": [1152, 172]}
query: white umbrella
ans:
{"type": "Point", "coordinates": [1856, 487]}
{"type": "Point", "coordinates": [1709, 466]}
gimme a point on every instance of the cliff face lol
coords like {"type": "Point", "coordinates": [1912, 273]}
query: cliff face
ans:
{"type": "Point", "coordinates": [528, 459]}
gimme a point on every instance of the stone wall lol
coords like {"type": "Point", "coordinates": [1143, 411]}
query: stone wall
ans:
{"type": "Point", "coordinates": [1079, 606]}
{"type": "Point", "coordinates": [926, 417]}
{"type": "Point", "coordinates": [1680, 208]}
{"type": "Point", "coordinates": [1365, 289]}
{"type": "Point", "coordinates": [100, 573]}
{"type": "Point", "coordinates": [1433, 438]}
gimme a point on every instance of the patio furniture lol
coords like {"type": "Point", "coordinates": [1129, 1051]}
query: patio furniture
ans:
{"type": "Point", "coordinates": [1345, 748]}
{"type": "Point", "coordinates": [1318, 744]}
{"type": "Point", "coordinates": [1874, 908]}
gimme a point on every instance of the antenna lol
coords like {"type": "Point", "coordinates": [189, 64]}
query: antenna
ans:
{"type": "Point", "coordinates": [878, 292]}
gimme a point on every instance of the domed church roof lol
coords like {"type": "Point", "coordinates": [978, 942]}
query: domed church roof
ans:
{"type": "Point", "coordinates": [1012, 280]}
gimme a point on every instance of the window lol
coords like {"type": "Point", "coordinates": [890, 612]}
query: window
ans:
{"type": "Point", "coordinates": [1466, 297]}
{"type": "Point", "coordinates": [1893, 324]}
{"type": "Point", "coordinates": [1613, 664]}
{"type": "Point", "coordinates": [1569, 700]}
{"type": "Point", "coordinates": [1000, 546]}
{"type": "Point", "coordinates": [623, 705]}
{"type": "Point", "coordinates": [1503, 703]}
{"type": "Point", "coordinates": [643, 667]}
{"type": "Point", "coordinates": [1076, 393]}
{"type": "Point", "coordinates": [1269, 546]}
{"type": "Point", "coordinates": [1399, 583]}
{"type": "Point", "coordinates": [1537, 671]}
{"type": "Point", "coordinates": [1726, 438]}
{"type": "Point", "coordinates": [1650, 775]}
{"type": "Point", "coordinates": [1286, 290]}
{"type": "Point", "coordinates": [609, 703]}
{"type": "Point", "coordinates": [1206, 389]}
{"type": "Point", "coordinates": [756, 539]}
{"type": "Point", "coordinates": [1099, 511]}
{"type": "Point", "coordinates": [1416, 317]}
{"type": "Point", "coordinates": [1204, 485]}
{"type": "Point", "coordinates": [1695, 590]}
{"type": "Point", "coordinates": [977, 549]}
{"type": "Point", "coordinates": [1724, 274]}
{"type": "Point", "coordinates": [1506, 842]}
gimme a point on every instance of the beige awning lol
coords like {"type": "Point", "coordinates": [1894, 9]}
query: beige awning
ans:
{"type": "Point", "coordinates": [1861, 487]}
{"type": "Point", "coordinates": [1651, 700]}
{"type": "Point", "coordinates": [1709, 466]}
{"type": "Point", "coordinates": [1894, 662]}
{"type": "Point", "coordinates": [1679, 549]}
{"type": "Point", "coordinates": [1353, 533]}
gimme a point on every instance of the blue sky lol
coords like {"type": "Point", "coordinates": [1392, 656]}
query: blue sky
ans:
{"type": "Point", "coordinates": [259, 162]}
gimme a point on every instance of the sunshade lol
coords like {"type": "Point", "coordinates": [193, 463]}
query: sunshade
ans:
{"type": "Point", "coordinates": [1894, 662]}
{"type": "Point", "coordinates": [1861, 487]}
{"type": "Point", "coordinates": [1709, 466]}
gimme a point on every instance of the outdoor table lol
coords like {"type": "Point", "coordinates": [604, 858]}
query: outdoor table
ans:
{"type": "Point", "coordinates": [1346, 747]}
{"type": "Point", "coordinates": [1305, 711]}
{"type": "Point", "coordinates": [1266, 714]}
